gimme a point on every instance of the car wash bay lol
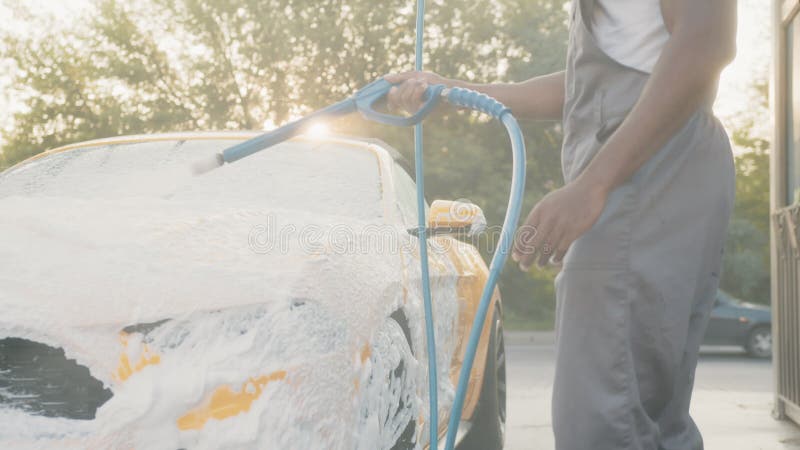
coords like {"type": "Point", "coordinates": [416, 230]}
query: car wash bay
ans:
{"type": "Point", "coordinates": [732, 400]}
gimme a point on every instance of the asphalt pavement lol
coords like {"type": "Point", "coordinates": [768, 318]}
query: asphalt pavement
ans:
{"type": "Point", "coordinates": [732, 401]}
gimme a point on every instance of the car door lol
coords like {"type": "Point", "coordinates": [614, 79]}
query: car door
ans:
{"type": "Point", "coordinates": [458, 274]}
{"type": "Point", "coordinates": [724, 327]}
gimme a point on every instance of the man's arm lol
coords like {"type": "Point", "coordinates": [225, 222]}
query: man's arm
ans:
{"type": "Point", "coordinates": [702, 43]}
{"type": "Point", "coordinates": [539, 98]}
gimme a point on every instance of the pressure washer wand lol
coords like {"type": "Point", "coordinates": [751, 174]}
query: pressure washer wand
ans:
{"type": "Point", "coordinates": [363, 101]}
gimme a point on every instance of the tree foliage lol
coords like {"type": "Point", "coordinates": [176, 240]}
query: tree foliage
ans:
{"type": "Point", "coordinates": [746, 265]}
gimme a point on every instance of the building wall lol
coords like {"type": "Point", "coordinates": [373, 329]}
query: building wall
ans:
{"type": "Point", "coordinates": [785, 207]}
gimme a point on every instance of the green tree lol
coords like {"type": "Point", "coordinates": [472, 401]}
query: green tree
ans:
{"type": "Point", "coordinates": [746, 264]}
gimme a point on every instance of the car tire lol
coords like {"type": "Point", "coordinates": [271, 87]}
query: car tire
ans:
{"type": "Point", "coordinates": [759, 342]}
{"type": "Point", "coordinates": [489, 420]}
{"type": "Point", "coordinates": [407, 440]}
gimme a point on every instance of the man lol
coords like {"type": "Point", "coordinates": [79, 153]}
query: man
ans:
{"type": "Point", "coordinates": [641, 220]}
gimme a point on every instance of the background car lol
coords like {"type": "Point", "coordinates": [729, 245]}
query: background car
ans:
{"type": "Point", "coordinates": [747, 325]}
{"type": "Point", "coordinates": [271, 303]}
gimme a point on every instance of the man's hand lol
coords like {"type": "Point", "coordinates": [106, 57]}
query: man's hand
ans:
{"type": "Point", "coordinates": [556, 222]}
{"type": "Point", "coordinates": [540, 98]}
{"type": "Point", "coordinates": [409, 95]}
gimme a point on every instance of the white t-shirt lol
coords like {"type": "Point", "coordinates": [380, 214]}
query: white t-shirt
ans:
{"type": "Point", "coordinates": [632, 32]}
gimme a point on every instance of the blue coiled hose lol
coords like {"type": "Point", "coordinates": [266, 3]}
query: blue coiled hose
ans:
{"type": "Point", "coordinates": [363, 101]}
{"type": "Point", "coordinates": [473, 100]}
{"type": "Point", "coordinates": [497, 110]}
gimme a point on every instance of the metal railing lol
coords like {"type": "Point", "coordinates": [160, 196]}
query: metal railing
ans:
{"type": "Point", "coordinates": [786, 312]}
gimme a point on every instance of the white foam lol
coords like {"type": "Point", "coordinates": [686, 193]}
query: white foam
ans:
{"type": "Point", "coordinates": [97, 240]}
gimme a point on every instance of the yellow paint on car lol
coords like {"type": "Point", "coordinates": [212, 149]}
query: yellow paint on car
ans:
{"type": "Point", "coordinates": [472, 274]}
{"type": "Point", "coordinates": [225, 402]}
{"type": "Point", "coordinates": [127, 368]}
{"type": "Point", "coordinates": [366, 352]}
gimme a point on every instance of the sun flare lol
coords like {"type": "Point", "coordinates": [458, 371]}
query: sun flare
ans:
{"type": "Point", "coordinates": [318, 130]}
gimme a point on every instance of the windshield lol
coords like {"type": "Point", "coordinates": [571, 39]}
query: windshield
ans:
{"type": "Point", "coordinates": [326, 178]}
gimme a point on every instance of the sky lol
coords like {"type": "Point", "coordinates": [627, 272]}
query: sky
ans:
{"type": "Point", "coordinates": [754, 52]}
{"type": "Point", "coordinates": [735, 101]}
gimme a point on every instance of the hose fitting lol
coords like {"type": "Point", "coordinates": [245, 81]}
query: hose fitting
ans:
{"type": "Point", "coordinates": [467, 98]}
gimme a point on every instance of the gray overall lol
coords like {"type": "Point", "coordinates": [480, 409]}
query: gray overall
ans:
{"type": "Point", "coordinates": [635, 292]}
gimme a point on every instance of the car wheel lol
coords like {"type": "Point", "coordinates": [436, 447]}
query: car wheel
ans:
{"type": "Point", "coordinates": [489, 420]}
{"type": "Point", "coordinates": [387, 411]}
{"type": "Point", "coordinates": [759, 342]}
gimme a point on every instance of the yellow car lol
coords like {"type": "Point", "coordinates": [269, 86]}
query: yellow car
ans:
{"type": "Point", "coordinates": [273, 303]}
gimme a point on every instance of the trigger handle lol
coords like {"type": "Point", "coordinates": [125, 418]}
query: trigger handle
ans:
{"type": "Point", "coordinates": [367, 97]}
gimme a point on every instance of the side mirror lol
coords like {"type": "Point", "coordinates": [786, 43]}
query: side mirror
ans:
{"type": "Point", "coordinates": [455, 217]}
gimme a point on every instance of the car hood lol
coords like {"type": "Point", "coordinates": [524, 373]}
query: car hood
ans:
{"type": "Point", "coordinates": [88, 262]}
{"type": "Point", "coordinates": [754, 307]}
{"type": "Point", "coordinates": [72, 266]}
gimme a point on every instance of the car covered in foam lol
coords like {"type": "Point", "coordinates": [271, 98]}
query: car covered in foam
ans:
{"type": "Point", "coordinates": [271, 303]}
